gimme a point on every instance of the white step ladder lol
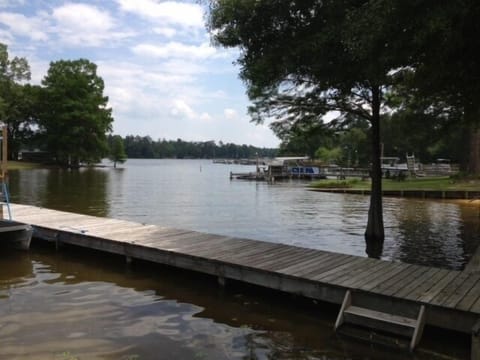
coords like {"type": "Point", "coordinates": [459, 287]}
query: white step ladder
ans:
{"type": "Point", "coordinates": [5, 200]}
{"type": "Point", "coordinates": [386, 323]}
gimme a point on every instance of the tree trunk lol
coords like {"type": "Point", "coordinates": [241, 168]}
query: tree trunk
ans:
{"type": "Point", "coordinates": [471, 163]}
{"type": "Point", "coordinates": [474, 153]}
{"type": "Point", "coordinates": [374, 234]}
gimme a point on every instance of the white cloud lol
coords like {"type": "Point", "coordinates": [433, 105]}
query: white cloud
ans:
{"type": "Point", "coordinates": [181, 109]}
{"type": "Point", "coordinates": [85, 25]}
{"type": "Point", "coordinates": [175, 50]}
{"type": "Point", "coordinates": [168, 32]}
{"type": "Point", "coordinates": [206, 117]}
{"type": "Point", "coordinates": [166, 12]}
{"type": "Point", "coordinates": [6, 37]}
{"type": "Point", "coordinates": [19, 24]}
{"type": "Point", "coordinates": [230, 114]}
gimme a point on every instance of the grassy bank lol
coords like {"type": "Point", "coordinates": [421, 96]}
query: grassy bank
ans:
{"type": "Point", "coordinates": [437, 183]}
{"type": "Point", "coordinates": [20, 165]}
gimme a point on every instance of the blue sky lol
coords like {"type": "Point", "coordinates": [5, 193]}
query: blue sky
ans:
{"type": "Point", "coordinates": [162, 76]}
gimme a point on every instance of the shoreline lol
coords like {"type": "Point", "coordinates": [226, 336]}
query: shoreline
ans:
{"type": "Point", "coordinates": [421, 194]}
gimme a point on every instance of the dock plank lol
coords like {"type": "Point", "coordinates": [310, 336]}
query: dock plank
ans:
{"type": "Point", "coordinates": [450, 289]}
{"type": "Point", "coordinates": [314, 269]}
{"type": "Point", "coordinates": [416, 282]}
{"type": "Point", "coordinates": [361, 277]}
{"type": "Point", "coordinates": [469, 298]}
{"type": "Point", "coordinates": [297, 269]}
{"type": "Point", "coordinates": [300, 258]}
{"type": "Point", "coordinates": [438, 287]}
{"type": "Point", "coordinates": [423, 287]}
{"type": "Point", "coordinates": [342, 269]}
{"type": "Point", "coordinates": [394, 269]}
{"type": "Point", "coordinates": [402, 276]}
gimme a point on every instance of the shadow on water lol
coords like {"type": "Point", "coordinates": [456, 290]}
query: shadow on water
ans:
{"type": "Point", "coordinates": [83, 191]}
{"type": "Point", "coordinates": [89, 306]}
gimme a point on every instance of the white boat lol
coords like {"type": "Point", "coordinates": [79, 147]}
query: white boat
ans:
{"type": "Point", "coordinates": [392, 167]}
{"type": "Point", "coordinates": [15, 235]}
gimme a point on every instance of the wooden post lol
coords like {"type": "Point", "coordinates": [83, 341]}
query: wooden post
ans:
{"type": "Point", "coordinates": [4, 152]}
{"type": "Point", "coordinates": [3, 163]}
{"type": "Point", "coordinates": [475, 352]}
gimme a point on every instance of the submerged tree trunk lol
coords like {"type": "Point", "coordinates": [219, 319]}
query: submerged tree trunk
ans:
{"type": "Point", "coordinates": [374, 234]}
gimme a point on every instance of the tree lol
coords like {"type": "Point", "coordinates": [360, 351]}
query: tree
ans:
{"type": "Point", "coordinates": [16, 100]}
{"type": "Point", "coordinates": [303, 59]}
{"type": "Point", "coordinates": [329, 156]}
{"type": "Point", "coordinates": [117, 150]}
{"type": "Point", "coordinates": [444, 42]}
{"type": "Point", "coordinates": [74, 118]}
{"type": "Point", "coordinates": [302, 139]}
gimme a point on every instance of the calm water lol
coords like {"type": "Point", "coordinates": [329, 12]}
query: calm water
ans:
{"type": "Point", "coordinates": [78, 304]}
{"type": "Point", "coordinates": [198, 195]}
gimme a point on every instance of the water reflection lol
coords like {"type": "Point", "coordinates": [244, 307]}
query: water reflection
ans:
{"type": "Point", "coordinates": [435, 233]}
{"type": "Point", "coordinates": [82, 191]}
{"type": "Point", "coordinates": [176, 193]}
{"type": "Point", "coordinates": [79, 304]}
{"type": "Point", "coordinates": [374, 248]}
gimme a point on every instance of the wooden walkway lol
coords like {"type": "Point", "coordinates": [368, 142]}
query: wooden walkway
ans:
{"type": "Point", "coordinates": [451, 298]}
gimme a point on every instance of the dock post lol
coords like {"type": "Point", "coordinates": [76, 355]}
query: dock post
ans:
{"type": "Point", "coordinates": [222, 281]}
{"type": "Point", "coordinates": [57, 241]}
{"type": "Point", "coordinates": [475, 351]}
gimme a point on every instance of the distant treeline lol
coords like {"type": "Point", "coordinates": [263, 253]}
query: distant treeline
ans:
{"type": "Point", "coordinates": [146, 148]}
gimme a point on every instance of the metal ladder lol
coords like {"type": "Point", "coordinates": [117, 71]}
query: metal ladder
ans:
{"type": "Point", "coordinates": [375, 323]}
{"type": "Point", "coordinates": [6, 200]}
{"type": "Point", "coordinates": [3, 172]}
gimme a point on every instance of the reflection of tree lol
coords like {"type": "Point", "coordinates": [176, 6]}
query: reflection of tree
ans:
{"type": "Point", "coordinates": [80, 191]}
{"type": "Point", "coordinates": [27, 186]}
{"type": "Point", "coordinates": [428, 234]}
{"type": "Point", "coordinates": [16, 268]}
{"type": "Point", "coordinates": [374, 249]}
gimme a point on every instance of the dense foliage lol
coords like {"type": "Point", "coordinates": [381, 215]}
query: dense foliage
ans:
{"type": "Point", "coordinates": [16, 100]}
{"type": "Point", "coordinates": [146, 148]}
{"type": "Point", "coordinates": [74, 118]}
{"type": "Point", "coordinates": [117, 150]}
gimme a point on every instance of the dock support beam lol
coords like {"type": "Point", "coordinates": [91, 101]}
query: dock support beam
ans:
{"type": "Point", "coordinates": [475, 352]}
{"type": "Point", "coordinates": [222, 281]}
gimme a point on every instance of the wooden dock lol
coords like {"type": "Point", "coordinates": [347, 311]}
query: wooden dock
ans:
{"type": "Point", "coordinates": [451, 298]}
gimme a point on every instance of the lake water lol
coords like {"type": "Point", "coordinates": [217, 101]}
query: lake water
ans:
{"type": "Point", "coordinates": [199, 195]}
{"type": "Point", "coordinates": [78, 304]}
